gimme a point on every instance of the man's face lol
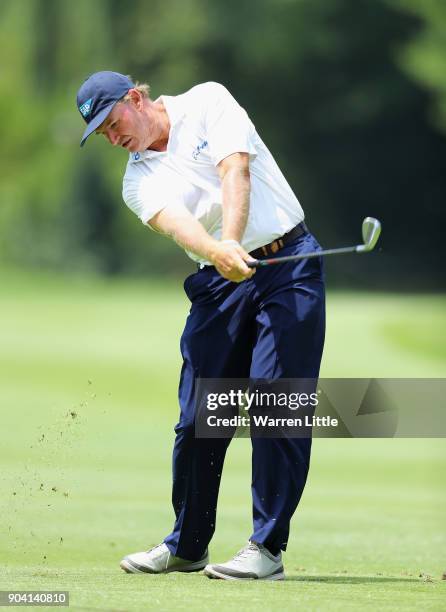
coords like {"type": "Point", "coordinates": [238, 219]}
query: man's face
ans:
{"type": "Point", "coordinates": [127, 126]}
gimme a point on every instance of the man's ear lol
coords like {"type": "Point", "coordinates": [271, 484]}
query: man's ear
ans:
{"type": "Point", "coordinates": [135, 98]}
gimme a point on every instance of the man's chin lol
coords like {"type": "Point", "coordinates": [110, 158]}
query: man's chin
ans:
{"type": "Point", "coordinates": [132, 146]}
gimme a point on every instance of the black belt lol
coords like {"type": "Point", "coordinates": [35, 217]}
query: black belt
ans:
{"type": "Point", "coordinates": [279, 243]}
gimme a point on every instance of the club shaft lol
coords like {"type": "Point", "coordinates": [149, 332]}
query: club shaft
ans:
{"type": "Point", "coordinates": [278, 260]}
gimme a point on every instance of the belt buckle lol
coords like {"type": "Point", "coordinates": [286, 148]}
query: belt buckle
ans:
{"type": "Point", "coordinates": [276, 245]}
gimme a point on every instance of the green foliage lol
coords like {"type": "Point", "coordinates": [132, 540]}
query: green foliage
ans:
{"type": "Point", "coordinates": [340, 90]}
{"type": "Point", "coordinates": [423, 57]}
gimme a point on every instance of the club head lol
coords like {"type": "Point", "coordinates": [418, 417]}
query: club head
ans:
{"type": "Point", "coordinates": [371, 229]}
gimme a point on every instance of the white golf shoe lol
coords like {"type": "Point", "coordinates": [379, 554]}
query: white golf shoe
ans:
{"type": "Point", "coordinates": [159, 560]}
{"type": "Point", "coordinates": [252, 562]}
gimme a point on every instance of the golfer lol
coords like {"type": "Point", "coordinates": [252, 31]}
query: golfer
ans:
{"type": "Point", "coordinates": [199, 173]}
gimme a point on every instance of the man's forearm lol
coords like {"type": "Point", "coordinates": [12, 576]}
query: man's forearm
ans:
{"type": "Point", "coordinates": [236, 187]}
{"type": "Point", "coordinates": [180, 225]}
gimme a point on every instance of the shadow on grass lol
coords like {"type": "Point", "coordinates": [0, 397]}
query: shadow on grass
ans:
{"type": "Point", "coordinates": [349, 579]}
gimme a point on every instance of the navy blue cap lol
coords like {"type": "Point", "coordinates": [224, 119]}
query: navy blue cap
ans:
{"type": "Point", "coordinates": [97, 96]}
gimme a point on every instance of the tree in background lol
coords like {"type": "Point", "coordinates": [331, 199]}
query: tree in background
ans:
{"type": "Point", "coordinates": [423, 58]}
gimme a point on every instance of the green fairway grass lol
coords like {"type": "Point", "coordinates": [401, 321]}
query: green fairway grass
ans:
{"type": "Point", "coordinates": [88, 400]}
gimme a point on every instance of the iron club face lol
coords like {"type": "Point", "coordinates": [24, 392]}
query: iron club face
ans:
{"type": "Point", "coordinates": [371, 229]}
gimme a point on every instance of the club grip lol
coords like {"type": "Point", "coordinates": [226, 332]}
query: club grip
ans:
{"type": "Point", "coordinates": [253, 264]}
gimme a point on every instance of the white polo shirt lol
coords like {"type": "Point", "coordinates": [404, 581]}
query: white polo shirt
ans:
{"type": "Point", "coordinates": [207, 125]}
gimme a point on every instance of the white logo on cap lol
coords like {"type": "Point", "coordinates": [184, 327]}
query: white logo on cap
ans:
{"type": "Point", "coordinates": [86, 107]}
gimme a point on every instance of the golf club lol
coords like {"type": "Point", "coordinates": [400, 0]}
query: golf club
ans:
{"type": "Point", "coordinates": [371, 229]}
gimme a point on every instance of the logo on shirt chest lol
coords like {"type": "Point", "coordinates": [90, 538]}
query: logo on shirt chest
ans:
{"type": "Point", "coordinates": [199, 148]}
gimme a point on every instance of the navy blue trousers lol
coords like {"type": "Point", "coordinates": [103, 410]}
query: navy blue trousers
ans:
{"type": "Point", "coordinates": [270, 326]}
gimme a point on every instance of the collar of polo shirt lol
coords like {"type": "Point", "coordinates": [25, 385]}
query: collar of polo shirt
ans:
{"type": "Point", "coordinates": [175, 112]}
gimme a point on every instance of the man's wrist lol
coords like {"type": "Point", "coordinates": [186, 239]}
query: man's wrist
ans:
{"type": "Point", "coordinates": [211, 248]}
{"type": "Point", "coordinates": [214, 246]}
{"type": "Point", "coordinates": [230, 241]}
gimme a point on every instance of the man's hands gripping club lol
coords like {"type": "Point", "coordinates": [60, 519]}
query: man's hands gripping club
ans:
{"type": "Point", "coordinates": [229, 258]}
